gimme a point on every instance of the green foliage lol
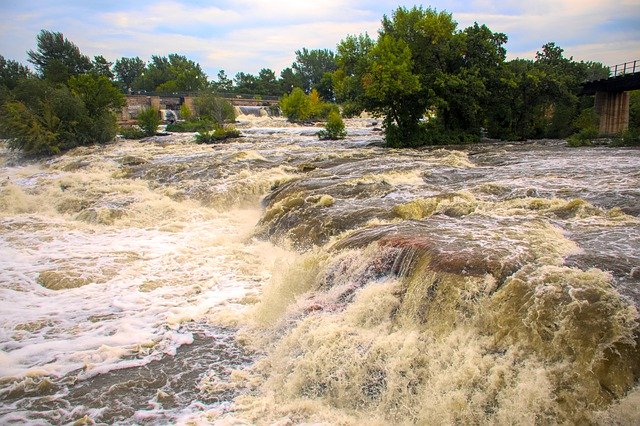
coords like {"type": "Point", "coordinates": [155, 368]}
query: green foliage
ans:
{"type": "Point", "coordinates": [44, 119]}
{"type": "Point", "coordinates": [630, 137]}
{"type": "Point", "coordinates": [174, 73]}
{"type": "Point", "coordinates": [129, 72]}
{"type": "Point", "coordinates": [191, 126]}
{"type": "Point", "coordinates": [311, 66]}
{"type": "Point", "coordinates": [149, 120]}
{"type": "Point", "coordinates": [288, 81]}
{"type": "Point", "coordinates": [57, 58]}
{"type": "Point", "coordinates": [217, 135]}
{"type": "Point", "coordinates": [584, 137]}
{"type": "Point", "coordinates": [634, 110]}
{"type": "Point", "coordinates": [132, 132]}
{"type": "Point", "coordinates": [100, 66]}
{"type": "Point", "coordinates": [297, 106]}
{"type": "Point", "coordinates": [334, 129]}
{"type": "Point", "coordinates": [213, 108]}
{"type": "Point", "coordinates": [185, 112]}
{"type": "Point", "coordinates": [97, 92]}
{"type": "Point", "coordinates": [223, 84]}
{"type": "Point", "coordinates": [11, 72]}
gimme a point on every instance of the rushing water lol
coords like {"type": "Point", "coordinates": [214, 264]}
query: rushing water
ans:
{"type": "Point", "coordinates": [281, 278]}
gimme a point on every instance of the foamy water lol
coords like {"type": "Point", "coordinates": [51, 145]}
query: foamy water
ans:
{"type": "Point", "coordinates": [279, 277]}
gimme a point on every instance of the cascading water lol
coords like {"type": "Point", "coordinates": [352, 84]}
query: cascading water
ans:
{"type": "Point", "coordinates": [280, 277]}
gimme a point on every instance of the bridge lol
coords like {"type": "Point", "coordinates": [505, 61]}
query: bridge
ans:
{"type": "Point", "coordinates": [612, 96]}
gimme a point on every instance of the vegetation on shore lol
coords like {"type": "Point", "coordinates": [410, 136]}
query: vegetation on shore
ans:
{"type": "Point", "coordinates": [429, 81]}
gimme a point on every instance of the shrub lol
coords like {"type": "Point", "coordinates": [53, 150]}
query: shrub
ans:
{"type": "Point", "coordinates": [149, 120]}
{"type": "Point", "coordinates": [334, 129]}
{"type": "Point", "coordinates": [630, 137]}
{"type": "Point", "coordinates": [584, 137]}
{"type": "Point", "coordinates": [132, 132]}
{"type": "Point", "coordinates": [217, 135]}
{"type": "Point", "coordinates": [297, 106]}
{"type": "Point", "coordinates": [191, 126]}
{"type": "Point", "coordinates": [213, 108]}
{"type": "Point", "coordinates": [185, 112]}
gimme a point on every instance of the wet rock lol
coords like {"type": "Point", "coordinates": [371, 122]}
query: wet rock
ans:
{"type": "Point", "coordinates": [62, 280]}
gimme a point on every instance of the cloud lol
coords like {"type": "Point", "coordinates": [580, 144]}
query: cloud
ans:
{"type": "Point", "coordinates": [247, 35]}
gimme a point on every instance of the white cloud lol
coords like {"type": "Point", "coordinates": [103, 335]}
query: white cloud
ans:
{"type": "Point", "coordinates": [247, 35]}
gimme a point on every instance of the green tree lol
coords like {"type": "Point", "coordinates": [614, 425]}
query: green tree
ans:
{"type": "Point", "coordinates": [57, 58]}
{"type": "Point", "coordinates": [289, 80]}
{"type": "Point", "coordinates": [223, 83]}
{"type": "Point", "coordinates": [149, 120]}
{"type": "Point", "coordinates": [267, 82]}
{"type": "Point", "coordinates": [12, 72]}
{"type": "Point", "coordinates": [353, 61]}
{"type": "Point", "coordinates": [47, 119]}
{"type": "Point", "coordinates": [98, 94]}
{"type": "Point", "coordinates": [393, 90]}
{"type": "Point", "coordinates": [213, 108]}
{"type": "Point", "coordinates": [100, 66]}
{"type": "Point", "coordinates": [174, 73]}
{"type": "Point", "coordinates": [246, 83]}
{"type": "Point", "coordinates": [311, 66]}
{"type": "Point", "coordinates": [128, 73]}
{"type": "Point", "coordinates": [296, 105]}
{"type": "Point", "coordinates": [334, 129]}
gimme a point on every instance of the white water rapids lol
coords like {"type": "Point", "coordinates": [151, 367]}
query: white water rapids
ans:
{"type": "Point", "coordinates": [126, 271]}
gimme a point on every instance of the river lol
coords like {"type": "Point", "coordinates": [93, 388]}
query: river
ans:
{"type": "Point", "coordinates": [279, 278]}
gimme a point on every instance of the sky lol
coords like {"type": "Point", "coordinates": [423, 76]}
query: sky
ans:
{"type": "Point", "coordinates": [248, 35]}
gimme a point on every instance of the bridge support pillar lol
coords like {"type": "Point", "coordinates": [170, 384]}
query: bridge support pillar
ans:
{"type": "Point", "coordinates": [613, 110]}
{"type": "Point", "coordinates": [188, 101]}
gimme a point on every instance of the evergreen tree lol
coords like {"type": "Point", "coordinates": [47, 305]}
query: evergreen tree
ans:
{"type": "Point", "coordinates": [57, 58]}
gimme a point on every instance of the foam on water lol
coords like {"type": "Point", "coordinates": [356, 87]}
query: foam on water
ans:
{"type": "Point", "coordinates": [142, 282]}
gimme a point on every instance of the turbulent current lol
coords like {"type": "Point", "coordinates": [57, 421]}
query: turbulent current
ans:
{"type": "Point", "coordinates": [283, 279]}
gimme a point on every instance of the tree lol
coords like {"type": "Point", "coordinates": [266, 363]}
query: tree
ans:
{"type": "Point", "coordinates": [353, 61]}
{"type": "Point", "coordinates": [100, 66]}
{"type": "Point", "coordinates": [149, 120]}
{"type": "Point", "coordinates": [288, 80]}
{"type": "Point", "coordinates": [11, 72]}
{"type": "Point", "coordinates": [98, 94]}
{"type": "Point", "coordinates": [223, 84]}
{"type": "Point", "coordinates": [246, 83]}
{"type": "Point", "coordinates": [174, 73]}
{"type": "Point", "coordinates": [57, 58]}
{"type": "Point", "coordinates": [211, 107]}
{"type": "Point", "coordinates": [128, 72]}
{"type": "Point", "coordinates": [311, 66]}
{"type": "Point", "coordinates": [334, 129]}
{"type": "Point", "coordinates": [298, 106]}
{"type": "Point", "coordinates": [267, 82]}
{"type": "Point", "coordinates": [392, 89]}
{"type": "Point", "coordinates": [45, 119]}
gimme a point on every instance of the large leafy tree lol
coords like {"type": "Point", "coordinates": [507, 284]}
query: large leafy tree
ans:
{"type": "Point", "coordinates": [392, 89]}
{"type": "Point", "coordinates": [311, 66]}
{"type": "Point", "coordinates": [353, 61]}
{"type": "Point", "coordinates": [128, 72]}
{"type": "Point", "coordinates": [57, 58]}
{"type": "Point", "coordinates": [430, 81]}
{"type": "Point", "coordinates": [174, 73]}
